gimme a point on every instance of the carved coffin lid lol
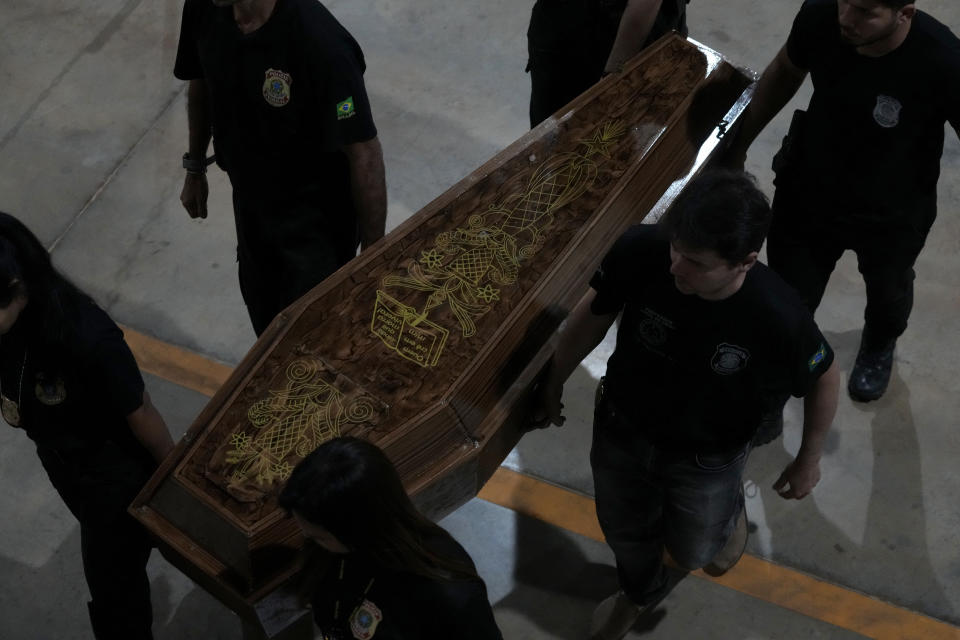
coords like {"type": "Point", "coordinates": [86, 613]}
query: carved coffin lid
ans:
{"type": "Point", "coordinates": [425, 342]}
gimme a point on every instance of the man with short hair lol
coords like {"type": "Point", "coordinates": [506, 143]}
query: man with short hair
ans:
{"type": "Point", "coordinates": [708, 337]}
{"type": "Point", "coordinates": [859, 168]}
{"type": "Point", "coordinates": [573, 43]}
{"type": "Point", "coordinates": [280, 84]}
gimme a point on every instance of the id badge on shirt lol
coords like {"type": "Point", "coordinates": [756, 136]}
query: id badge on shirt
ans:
{"type": "Point", "coordinates": [364, 621]}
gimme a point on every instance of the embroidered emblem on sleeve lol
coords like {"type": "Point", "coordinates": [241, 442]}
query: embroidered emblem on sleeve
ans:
{"type": "Point", "coordinates": [817, 357]}
{"type": "Point", "coordinates": [364, 621]}
{"type": "Point", "coordinates": [887, 112]}
{"type": "Point", "coordinates": [276, 87]}
{"type": "Point", "coordinates": [729, 359]}
{"type": "Point", "coordinates": [346, 109]}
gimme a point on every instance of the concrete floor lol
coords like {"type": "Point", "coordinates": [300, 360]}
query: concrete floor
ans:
{"type": "Point", "coordinates": [92, 126]}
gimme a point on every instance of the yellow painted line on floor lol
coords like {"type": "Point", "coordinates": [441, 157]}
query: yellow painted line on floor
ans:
{"type": "Point", "coordinates": [180, 366]}
{"type": "Point", "coordinates": [753, 576]}
{"type": "Point", "coordinates": [575, 512]}
{"type": "Point", "coordinates": [546, 502]}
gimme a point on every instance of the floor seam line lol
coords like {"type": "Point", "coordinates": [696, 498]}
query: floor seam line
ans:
{"type": "Point", "coordinates": [109, 179]}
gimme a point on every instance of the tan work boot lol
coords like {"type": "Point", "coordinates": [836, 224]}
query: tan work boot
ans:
{"type": "Point", "coordinates": [732, 551]}
{"type": "Point", "coordinates": [614, 617]}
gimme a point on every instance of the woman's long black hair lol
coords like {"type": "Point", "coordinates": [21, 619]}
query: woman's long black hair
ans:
{"type": "Point", "coordinates": [26, 269]}
{"type": "Point", "coordinates": [350, 488]}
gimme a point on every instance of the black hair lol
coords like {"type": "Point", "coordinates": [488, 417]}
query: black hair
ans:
{"type": "Point", "coordinates": [350, 488]}
{"type": "Point", "coordinates": [26, 269]}
{"type": "Point", "coordinates": [720, 211]}
{"type": "Point", "coordinates": [896, 5]}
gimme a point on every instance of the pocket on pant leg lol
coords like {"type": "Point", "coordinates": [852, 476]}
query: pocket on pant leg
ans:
{"type": "Point", "coordinates": [716, 462]}
{"type": "Point", "coordinates": [703, 499]}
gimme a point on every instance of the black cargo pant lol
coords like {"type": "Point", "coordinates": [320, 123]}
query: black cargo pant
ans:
{"type": "Point", "coordinates": [806, 240]}
{"type": "Point", "coordinates": [114, 547]}
{"type": "Point", "coordinates": [278, 263]}
{"type": "Point", "coordinates": [115, 555]}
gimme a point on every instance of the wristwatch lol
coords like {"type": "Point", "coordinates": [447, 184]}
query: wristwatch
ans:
{"type": "Point", "coordinates": [196, 166]}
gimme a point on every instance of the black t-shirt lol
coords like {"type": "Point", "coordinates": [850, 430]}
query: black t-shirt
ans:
{"type": "Point", "coordinates": [74, 404]}
{"type": "Point", "coordinates": [283, 99]}
{"type": "Point", "coordinates": [696, 374]}
{"type": "Point", "coordinates": [567, 28]}
{"type": "Point", "coordinates": [873, 136]}
{"type": "Point", "coordinates": [405, 606]}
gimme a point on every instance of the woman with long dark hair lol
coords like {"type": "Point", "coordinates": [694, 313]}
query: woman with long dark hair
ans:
{"type": "Point", "coordinates": [388, 572]}
{"type": "Point", "coordinates": [68, 379]}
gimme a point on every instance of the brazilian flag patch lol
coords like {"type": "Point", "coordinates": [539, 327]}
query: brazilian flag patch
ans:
{"type": "Point", "coordinates": [346, 109]}
{"type": "Point", "coordinates": [817, 357]}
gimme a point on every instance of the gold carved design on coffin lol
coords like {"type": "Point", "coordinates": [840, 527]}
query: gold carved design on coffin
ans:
{"type": "Point", "coordinates": [466, 268]}
{"type": "Point", "coordinates": [312, 407]}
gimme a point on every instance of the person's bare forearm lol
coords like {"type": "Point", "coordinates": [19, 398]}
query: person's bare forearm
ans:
{"type": "Point", "coordinates": [779, 82]}
{"type": "Point", "coordinates": [580, 334]}
{"type": "Point", "coordinates": [819, 408]}
{"type": "Point", "coordinates": [198, 119]}
{"type": "Point", "coordinates": [150, 430]}
{"type": "Point", "coordinates": [193, 196]}
{"type": "Point", "coordinates": [368, 187]}
{"type": "Point", "coordinates": [635, 26]}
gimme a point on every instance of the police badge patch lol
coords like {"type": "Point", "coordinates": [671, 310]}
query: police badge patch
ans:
{"type": "Point", "coordinates": [50, 391]}
{"type": "Point", "coordinates": [652, 332]}
{"type": "Point", "coordinates": [276, 87]}
{"type": "Point", "coordinates": [11, 410]}
{"type": "Point", "coordinates": [729, 358]}
{"type": "Point", "coordinates": [887, 112]}
{"type": "Point", "coordinates": [364, 621]}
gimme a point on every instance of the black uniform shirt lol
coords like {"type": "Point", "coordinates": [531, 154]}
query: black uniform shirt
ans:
{"type": "Point", "coordinates": [284, 98]}
{"type": "Point", "coordinates": [873, 137]}
{"type": "Point", "coordinates": [696, 374]}
{"type": "Point", "coordinates": [405, 606]}
{"type": "Point", "coordinates": [74, 404]}
{"type": "Point", "coordinates": [565, 28]}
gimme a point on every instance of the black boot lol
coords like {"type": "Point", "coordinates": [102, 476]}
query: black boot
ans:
{"type": "Point", "coordinates": [871, 373]}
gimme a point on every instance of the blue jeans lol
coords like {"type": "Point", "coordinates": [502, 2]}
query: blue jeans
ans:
{"type": "Point", "coordinates": [648, 499]}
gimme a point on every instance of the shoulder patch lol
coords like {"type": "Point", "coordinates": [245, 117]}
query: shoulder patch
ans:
{"type": "Point", "coordinates": [346, 109]}
{"type": "Point", "coordinates": [817, 357]}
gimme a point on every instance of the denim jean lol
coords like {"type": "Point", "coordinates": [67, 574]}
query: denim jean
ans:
{"type": "Point", "coordinates": [648, 499]}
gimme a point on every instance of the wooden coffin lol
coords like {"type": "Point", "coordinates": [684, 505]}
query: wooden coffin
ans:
{"type": "Point", "coordinates": [427, 343]}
